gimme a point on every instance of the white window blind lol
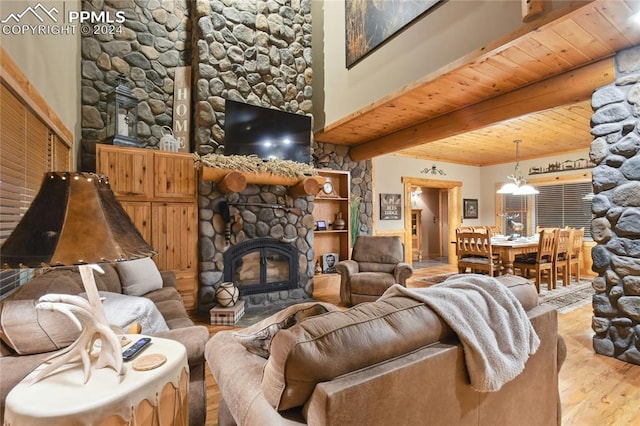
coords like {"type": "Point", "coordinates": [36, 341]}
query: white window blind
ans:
{"type": "Point", "coordinates": [567, 204]}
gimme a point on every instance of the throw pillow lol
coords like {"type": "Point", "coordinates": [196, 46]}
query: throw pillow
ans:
{"type": "Point", "coordinates": [28, 330]}
{"type": "Point", "coordinates": [139, 276]}
{"type": "Point", "coordinates": [259, 342]}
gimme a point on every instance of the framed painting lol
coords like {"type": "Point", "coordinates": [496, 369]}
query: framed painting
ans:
{"type": "Point", "coordinates": [470, 208]}
{"type": "Point", "coordinates": [369, 23]}
{"type": "Point", "coordinates": [390, 207]}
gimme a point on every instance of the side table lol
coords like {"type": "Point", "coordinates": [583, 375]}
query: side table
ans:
{"type": "Point", "coordinates": [152, 397]}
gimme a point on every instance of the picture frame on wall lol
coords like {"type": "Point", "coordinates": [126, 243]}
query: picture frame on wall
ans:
{"type": "Point", "coordinates": [329, 262]}
{"type": "Point", "coordinates": [369, 24]}
{"type": "Point", "coordinates": [390, 207]}
{"type": "Point", "coordinates": [470, 208]}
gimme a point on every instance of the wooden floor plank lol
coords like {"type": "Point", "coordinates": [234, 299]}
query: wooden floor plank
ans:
{"type": "Point", "coordinates": [594, 389]}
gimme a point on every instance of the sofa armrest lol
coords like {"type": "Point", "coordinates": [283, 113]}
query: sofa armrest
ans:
{"type": "Point", "coordinates": [347, 267]}
{"type": "Point", "coordinates": [401, 272]}
{"type": "Point", "coordinates": [168, 278]}
{"type": "Point", "coordinates": [193, 338]}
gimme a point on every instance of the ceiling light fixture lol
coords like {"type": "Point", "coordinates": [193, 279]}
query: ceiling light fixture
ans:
{"type": "Point", "coordinates": [518, 186]}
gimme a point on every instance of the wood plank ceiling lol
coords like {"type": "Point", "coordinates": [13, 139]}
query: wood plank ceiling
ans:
{"type": "Point", "coordinates": [534, 85]}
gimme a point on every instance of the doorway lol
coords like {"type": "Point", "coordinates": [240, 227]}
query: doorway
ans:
{"type": "Point", "coordinates": [440, 216]}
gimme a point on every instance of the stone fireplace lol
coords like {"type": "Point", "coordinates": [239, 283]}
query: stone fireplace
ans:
{"type": "Point", "coordinates": [261, 265]}
{"type": "Point", "coordinates": [616, 208]}
{"type": "Point", "coordinates": [265, 248]}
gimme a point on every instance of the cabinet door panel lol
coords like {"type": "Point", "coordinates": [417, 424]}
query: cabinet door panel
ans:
{"type": "Point", "coordinates": [128, 169]}
{"type": "Point", "coordinates": [174, 235]}
{"type": "Point", "coordinates": [140, 214]}
{"type": "Point", "coordinates": [175, 175]}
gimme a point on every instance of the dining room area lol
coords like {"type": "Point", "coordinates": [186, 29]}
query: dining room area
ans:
{"type": "Point", "coordinates": [551, 257]}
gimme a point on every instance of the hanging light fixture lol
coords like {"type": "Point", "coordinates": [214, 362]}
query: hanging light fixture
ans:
{"type": "Point", "coordinates": [518, 186]}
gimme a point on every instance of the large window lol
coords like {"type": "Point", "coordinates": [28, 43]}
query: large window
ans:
{"type": "Point", "coordinates": [556, 206]}
{"type": "Point", "coordinates": [29, 148]}
{"type": "Point", "coordinates": [515, 209]}
{"type": "Point", "coordinates": [563, 205]}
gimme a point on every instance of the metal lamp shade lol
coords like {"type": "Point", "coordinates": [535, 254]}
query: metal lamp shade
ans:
{"type": "Point", "coordinates": [75, 219]}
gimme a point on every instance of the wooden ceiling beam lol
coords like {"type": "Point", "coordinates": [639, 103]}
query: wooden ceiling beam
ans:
{"type": "Point", "coordinates": [563, 89]}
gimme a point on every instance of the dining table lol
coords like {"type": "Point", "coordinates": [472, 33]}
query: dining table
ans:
{"type": "Point", "coordinates": [509, 249]}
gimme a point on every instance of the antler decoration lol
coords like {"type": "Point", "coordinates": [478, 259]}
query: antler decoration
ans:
{"type": "Point", "coordinates": [89, 317]}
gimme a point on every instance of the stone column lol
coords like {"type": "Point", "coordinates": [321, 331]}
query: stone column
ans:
{"type": "Point", "coordinates": [616, 208]}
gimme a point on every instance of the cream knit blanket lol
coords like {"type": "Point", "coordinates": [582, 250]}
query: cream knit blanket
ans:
{"type": "Point", "coordinates": [496, 334]}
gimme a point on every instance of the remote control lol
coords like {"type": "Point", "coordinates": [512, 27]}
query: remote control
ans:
{"type": "Point", "coordinates": [135, 349]}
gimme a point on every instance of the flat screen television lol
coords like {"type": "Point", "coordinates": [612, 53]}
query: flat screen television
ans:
{"type": "Point", "coordinates": [267, 133]}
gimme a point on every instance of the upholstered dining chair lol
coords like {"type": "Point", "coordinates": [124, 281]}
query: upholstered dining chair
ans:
{"type": "Point", "coordinates": [543, 261]}
{"type": "Point", "coordinates": [562, 256]}
{"type": "Point", "coordinates": [576, 253]}
{"type": "Point", "coordinates": [377, 263]}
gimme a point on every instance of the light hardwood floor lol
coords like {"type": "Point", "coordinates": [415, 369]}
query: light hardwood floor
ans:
{"type": "Point", "coordinates": [594, 389]}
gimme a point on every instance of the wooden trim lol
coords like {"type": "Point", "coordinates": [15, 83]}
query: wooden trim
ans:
{"type": "Point", "coordinates": [454, 189]}
{"type": "Point", "coordinates": [12, 77]}
{"type": "Point", "coordinates": [562, 89]}
{"type": "Point", "coordinates": [554, 180]}
{"type": "Point", "coordinates": [477, 56]}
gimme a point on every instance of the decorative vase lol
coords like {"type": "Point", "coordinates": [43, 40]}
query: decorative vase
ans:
{"type": "Point", "coordinates": [339, 222]}
{"type": "Point", "coordinates": [227, 294]}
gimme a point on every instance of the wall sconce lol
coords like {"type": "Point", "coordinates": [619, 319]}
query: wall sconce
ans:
{"type": "Point", "coordinates": [433, 170]}
{"type": "Point", "coordinates": [122, 115]}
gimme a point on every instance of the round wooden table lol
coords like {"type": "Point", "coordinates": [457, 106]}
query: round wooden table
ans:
{"type": "Point", "coordinates": [158, 396]}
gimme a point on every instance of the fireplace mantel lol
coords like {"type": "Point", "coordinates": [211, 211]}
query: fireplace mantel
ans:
{"type": "Point", "coordinates": [237, 180]}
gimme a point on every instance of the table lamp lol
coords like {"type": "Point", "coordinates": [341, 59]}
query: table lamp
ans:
{"type": "Point", "coordinates": [75, 220]}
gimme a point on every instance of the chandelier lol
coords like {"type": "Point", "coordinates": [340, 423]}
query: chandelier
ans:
{"type": "Point", "coordinates": [518, 184]}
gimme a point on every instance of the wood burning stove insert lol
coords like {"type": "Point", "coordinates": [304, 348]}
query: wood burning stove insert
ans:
{"type": "Point", "coordinates": [261, 265]}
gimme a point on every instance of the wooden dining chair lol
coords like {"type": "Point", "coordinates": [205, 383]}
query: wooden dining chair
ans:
{"type": "Point", "coordinates": [562, 256]}
{"type": "Point", "coordinates": [543, 261]}
{"type": "Point", "coordinates": [495, 229]}
{"type": "Point", "coordinates": [576, 253]}
{"type": "Point", "coordinates": [476, 254]}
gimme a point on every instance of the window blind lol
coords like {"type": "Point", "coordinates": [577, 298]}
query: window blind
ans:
{"type": "Point", "coordinates": [567, 204]}
{"type": "Point", "coordinates": [28, 150]}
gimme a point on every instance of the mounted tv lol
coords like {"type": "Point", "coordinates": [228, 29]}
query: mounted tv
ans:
{"type": "Point", "coordinates": [267, 133]}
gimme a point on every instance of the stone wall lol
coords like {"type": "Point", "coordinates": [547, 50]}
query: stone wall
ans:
{"type": "Point", "coordinates": [616, 206]}
{"type": "Point", "coordinates": [146, 48]}
{"type": "Point", "coordinates": [257, 52]}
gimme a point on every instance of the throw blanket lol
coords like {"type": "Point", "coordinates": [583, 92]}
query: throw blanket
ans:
{"type": "Point", "coordinates": [494, 329]}
{"type": "Point", "coordinates": [123, 310]}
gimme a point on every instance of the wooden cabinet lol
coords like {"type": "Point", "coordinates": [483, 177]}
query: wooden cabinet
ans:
{"type": "Point", "coordinates": [158, 190]}
{"type": "Point", "coordinates": [416, 233]}
{"type": "Point", "coordinates": [326, 208]}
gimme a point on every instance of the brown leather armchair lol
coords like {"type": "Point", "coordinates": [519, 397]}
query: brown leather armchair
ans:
{"type": "Point", "coordinates": [377, 262]}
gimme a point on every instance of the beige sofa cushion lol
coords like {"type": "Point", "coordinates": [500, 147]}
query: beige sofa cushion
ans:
{"type": "Point", "coordinates": [28, 330]}
{"type": "Point", "coordinates": [323, 347]}
{"type": "Point", "coordinates": [139, 277]}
